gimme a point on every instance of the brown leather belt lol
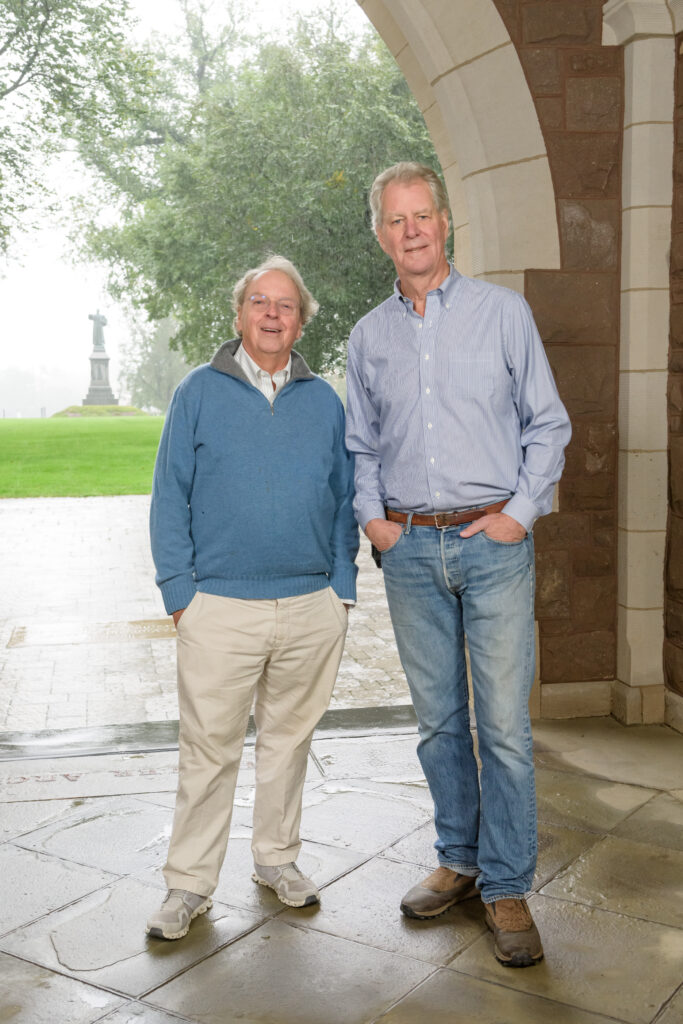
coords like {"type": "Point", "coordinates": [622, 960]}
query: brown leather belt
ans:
{"type": "Point", "coordinates": [442, 519]}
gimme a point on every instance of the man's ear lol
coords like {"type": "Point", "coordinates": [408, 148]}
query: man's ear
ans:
{"type": "Point", "coordinates": [378, 236]}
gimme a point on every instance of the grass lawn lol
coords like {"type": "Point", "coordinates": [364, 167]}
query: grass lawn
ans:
{"type": "Point", "coordinates": [78, 457]}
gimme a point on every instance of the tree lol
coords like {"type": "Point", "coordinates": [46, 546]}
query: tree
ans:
{"type": "Point", "coordinates": [65, 67]}
{"type": "Point", "coordinates": [151, 370]}
{"type": "Point", "coordinates": [276, 155]}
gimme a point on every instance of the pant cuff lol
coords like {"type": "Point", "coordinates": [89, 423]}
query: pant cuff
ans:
{"type": "Point", "coordinates": [275, 860]}
{"type": "Point", "coordinates": [471, 870]}
{"type": "Point", "coordinates": [503, 896]}
{"type": "Point", "coordinates": [189, 883]}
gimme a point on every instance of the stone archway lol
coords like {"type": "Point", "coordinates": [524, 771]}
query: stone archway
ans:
{"type": "Point", "coordinates": [525, 109]}
{"type": "Point", "coordinates": [463, 69]}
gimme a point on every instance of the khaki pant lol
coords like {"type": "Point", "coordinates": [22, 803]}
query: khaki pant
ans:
{"type": "Point", "coordinates": [284, 652]}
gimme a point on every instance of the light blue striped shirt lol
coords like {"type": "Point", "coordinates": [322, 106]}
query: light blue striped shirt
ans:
{"type": "Point", "coordinates": [456, 409]}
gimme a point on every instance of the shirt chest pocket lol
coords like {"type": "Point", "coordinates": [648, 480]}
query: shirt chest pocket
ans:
{"type": "Point", "coordinates": [472, 378]}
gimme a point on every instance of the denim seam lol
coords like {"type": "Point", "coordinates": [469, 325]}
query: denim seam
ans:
{"type": "Point", "coordinates": [531, 807]}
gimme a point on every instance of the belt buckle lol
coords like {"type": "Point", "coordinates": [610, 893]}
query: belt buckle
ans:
{"type": "Point", "coordinates": [440, 519]}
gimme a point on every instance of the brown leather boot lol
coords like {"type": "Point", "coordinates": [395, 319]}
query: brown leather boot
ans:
{"type": "Point", "coordinates": [516, 939]}
{"type": "Point", "coordinates": [437, 893]}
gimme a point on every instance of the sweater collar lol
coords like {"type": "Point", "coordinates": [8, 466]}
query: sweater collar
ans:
{"type": "Point", "coordinates": [224, 361]}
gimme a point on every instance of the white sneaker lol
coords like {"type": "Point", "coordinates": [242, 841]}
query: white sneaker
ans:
{"type": "Point", "coordinates": [179, 908]}
{"type": "Point", "coordinates": [288, 883]}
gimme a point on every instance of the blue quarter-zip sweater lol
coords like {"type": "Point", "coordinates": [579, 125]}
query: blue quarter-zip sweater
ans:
{"type": "Point", "coordinates": [252, 500]}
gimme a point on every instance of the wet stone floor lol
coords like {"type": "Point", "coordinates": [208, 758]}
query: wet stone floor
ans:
{"type": "Point", "coordinates": [87, 787]}
{"type": "Point", "coordinates": [82, 840]}
{"type": "Point", "coordinates": [85, 641]}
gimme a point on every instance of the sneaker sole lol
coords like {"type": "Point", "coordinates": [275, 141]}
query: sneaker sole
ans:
{"type": "Point", "coordinates": [409, 912]}
{"type": "Point", "coordinates": [159, 933]}
{"type": "Point", "coordinates": [309, 901]}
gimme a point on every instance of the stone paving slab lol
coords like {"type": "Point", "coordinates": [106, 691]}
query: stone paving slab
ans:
{"type": "Point", "coordinates": [585, 802]}
{"type": "Point", "coordinates": [626, 878]}
{"type": "Point", "coordinates": [319, 978]}
{"type": "Point", "coordinates": [138, 1013]}
{"type": "Point", "coordinates": [477, 1002]}
{"type": "Point", "coordinates": [365, 905]}
{"type": "Point", "coordinates": [33, 995]}
{"type": "Point", "coordinates": [97, 649]}
{"type": "Point", "coordinates": [661, 818]}
{"type": "Point", "coordinates": [592, 959]}
{"type": "Point", "coordinates": [92, 939]}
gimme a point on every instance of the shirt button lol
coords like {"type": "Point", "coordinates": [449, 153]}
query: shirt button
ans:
{"type": "Point", "coordinates": [429, 426]}
{"type": "Point", "coordinates": [428, 391]}
{"type": "Point", "coordinates": [448, 305]}
{"type": "Point", "coordinates": [438, 494]}
{"type": "Point", "coordinates": [427, 356]}
{"type": "Point", "coordinates": [432, 461]}
{"type": "Point", "coordinates": [419, 326]}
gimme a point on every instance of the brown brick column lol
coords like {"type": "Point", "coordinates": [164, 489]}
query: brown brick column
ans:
{"type": "Point", "coordinates": [577, 86]}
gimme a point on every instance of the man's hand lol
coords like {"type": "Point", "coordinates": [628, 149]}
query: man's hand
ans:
{"type": "Point", "coordinates": [176, 616]}
{"type": "Point", "coordinates": [497, 526]}
{"type": "Point", "coordinates": [382, 533]}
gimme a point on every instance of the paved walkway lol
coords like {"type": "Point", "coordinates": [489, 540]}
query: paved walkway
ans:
{"type": "Point", "coordinates": [82, 839]}
{"type": "Point", "coordinates": [85, 643]}
{"type": "Point", "coordinates": [84, 640]}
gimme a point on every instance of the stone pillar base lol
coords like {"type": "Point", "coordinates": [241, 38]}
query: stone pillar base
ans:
{"type": "Point", "coordinates": [630, 705]}
{"type": "Point", "coordinates": [674, 710]}
{"type": "Point", "coordinates": [576, 700]}
{"type": "Point", "coordinates": [100, 396]}
{"type": "Point", "coordinates": [637, 705]}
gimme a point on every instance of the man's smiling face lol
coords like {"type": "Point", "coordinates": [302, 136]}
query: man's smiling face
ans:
{"type": "Point", "coordinates": [270, 328]}
{"type": "Point", "coordinates": [413, 233]}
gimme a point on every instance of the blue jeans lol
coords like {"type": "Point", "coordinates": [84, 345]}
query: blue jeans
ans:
{"type": "Point", "coordinates": [441, 587]}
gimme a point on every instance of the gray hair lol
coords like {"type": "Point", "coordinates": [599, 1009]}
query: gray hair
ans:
{"type": "Point", "coordinates": [406, 171]}
{"type": "Point", "coordinates": [308, 306]}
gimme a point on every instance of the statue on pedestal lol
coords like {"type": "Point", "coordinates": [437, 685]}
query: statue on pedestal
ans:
{"type": "Point", "coordinates": [99, 321]}
{"type": "Point", "coordinates": [99, 392]}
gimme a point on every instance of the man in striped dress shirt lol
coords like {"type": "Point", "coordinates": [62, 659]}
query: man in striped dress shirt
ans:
{"type": "Point", "coordinates": [458, 434]}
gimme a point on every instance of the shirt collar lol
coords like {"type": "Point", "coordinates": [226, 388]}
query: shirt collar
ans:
{"type": "Point", "coordinates": [444, 290]}
{"type": "Point", "coordinates": [253, 370]}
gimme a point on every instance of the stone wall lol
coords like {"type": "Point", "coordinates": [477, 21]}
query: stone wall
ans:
{"type": "Point", "coordinates": [673, 644]}
{"type": "Point", "coordinates": [577, 87]}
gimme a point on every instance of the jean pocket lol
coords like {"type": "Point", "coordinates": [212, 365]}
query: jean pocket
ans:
{"type": "Point", "coordinates": [391, 547]}
{"type": "Point", "coordinates": [504, 543]}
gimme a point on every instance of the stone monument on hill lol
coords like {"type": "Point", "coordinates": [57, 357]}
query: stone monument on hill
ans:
{"type": "Point", "coordinates": [99, 392]}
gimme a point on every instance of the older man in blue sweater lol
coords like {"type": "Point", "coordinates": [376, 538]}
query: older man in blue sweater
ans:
{"type": "Point", "coordinates": [254, 541]}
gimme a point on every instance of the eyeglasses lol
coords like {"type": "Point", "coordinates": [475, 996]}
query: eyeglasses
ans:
{"type": "Point", "coordinates": [286, 307]}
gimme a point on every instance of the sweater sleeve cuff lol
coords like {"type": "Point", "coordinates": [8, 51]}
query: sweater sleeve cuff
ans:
{"type": "Point", "coordinates": [343, 581]}
{"type": "Point", "coordinates": [177, 593]}
{"type": "Point", "coordinates": [523, 510]}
